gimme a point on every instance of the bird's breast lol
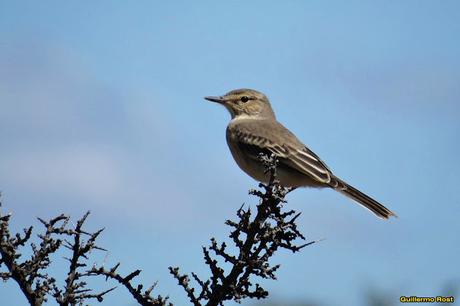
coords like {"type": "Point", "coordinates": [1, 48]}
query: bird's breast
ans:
{"type": "Point", "coordinates": [252, 167]}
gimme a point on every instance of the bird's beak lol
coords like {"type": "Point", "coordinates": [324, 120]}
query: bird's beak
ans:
{"type": "Point", "coordinates": [220, 100]}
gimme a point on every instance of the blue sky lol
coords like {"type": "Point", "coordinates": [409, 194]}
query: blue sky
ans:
{"type": "Point", "coordinates": [101, 109]}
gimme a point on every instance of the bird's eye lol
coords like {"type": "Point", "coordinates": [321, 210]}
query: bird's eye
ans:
{"type": "Point", "coordinates": [244, 99]}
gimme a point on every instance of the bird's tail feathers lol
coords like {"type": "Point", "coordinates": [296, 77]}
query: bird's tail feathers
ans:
{"type": "Point", "coordinates": [363, 199]}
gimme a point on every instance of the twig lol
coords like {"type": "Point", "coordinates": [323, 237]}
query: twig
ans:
{"type": "Point", "coordinates": [257, 239]}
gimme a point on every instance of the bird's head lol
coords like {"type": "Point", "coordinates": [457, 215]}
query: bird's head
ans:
{"type": "Point", "coordinates": [245, 102]}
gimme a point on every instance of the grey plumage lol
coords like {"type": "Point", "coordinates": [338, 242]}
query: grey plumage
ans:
{"type": "Point", "coordinates": [254, 130]}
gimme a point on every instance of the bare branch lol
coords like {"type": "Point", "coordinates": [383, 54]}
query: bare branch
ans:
{"type": "Point", "coordinates": [256, 234]}
{"type": "Point", "coordinates": [256, 238]}
{"type": "Point", "coordinates": [36, 285]}
{"type": "Point", "coordinates": [143, 298]}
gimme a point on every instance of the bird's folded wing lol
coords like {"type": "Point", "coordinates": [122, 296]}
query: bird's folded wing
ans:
{"type": "Point", "coordinates": [294, 156]}
{"type": "Point", "coordinates": [309, 163]}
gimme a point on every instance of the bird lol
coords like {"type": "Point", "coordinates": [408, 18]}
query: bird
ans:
{"type": "Point", "coordinates": [254, 129]}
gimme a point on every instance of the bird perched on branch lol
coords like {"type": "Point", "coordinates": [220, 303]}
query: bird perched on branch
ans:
{"type": "Point", "coordinates": [254, 130]}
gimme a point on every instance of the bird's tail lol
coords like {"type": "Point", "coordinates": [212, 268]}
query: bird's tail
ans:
{"type": "Point", "coordinates": [366, 201]}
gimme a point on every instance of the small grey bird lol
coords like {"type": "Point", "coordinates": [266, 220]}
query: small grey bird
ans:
{"type": "Point", "coordinates": [254, 130]}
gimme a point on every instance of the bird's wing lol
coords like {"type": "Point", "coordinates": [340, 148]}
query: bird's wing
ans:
{"type": "Point", "coordinates": [309, 163]}
{"type": "Point", "coordinates": [276, 139]}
